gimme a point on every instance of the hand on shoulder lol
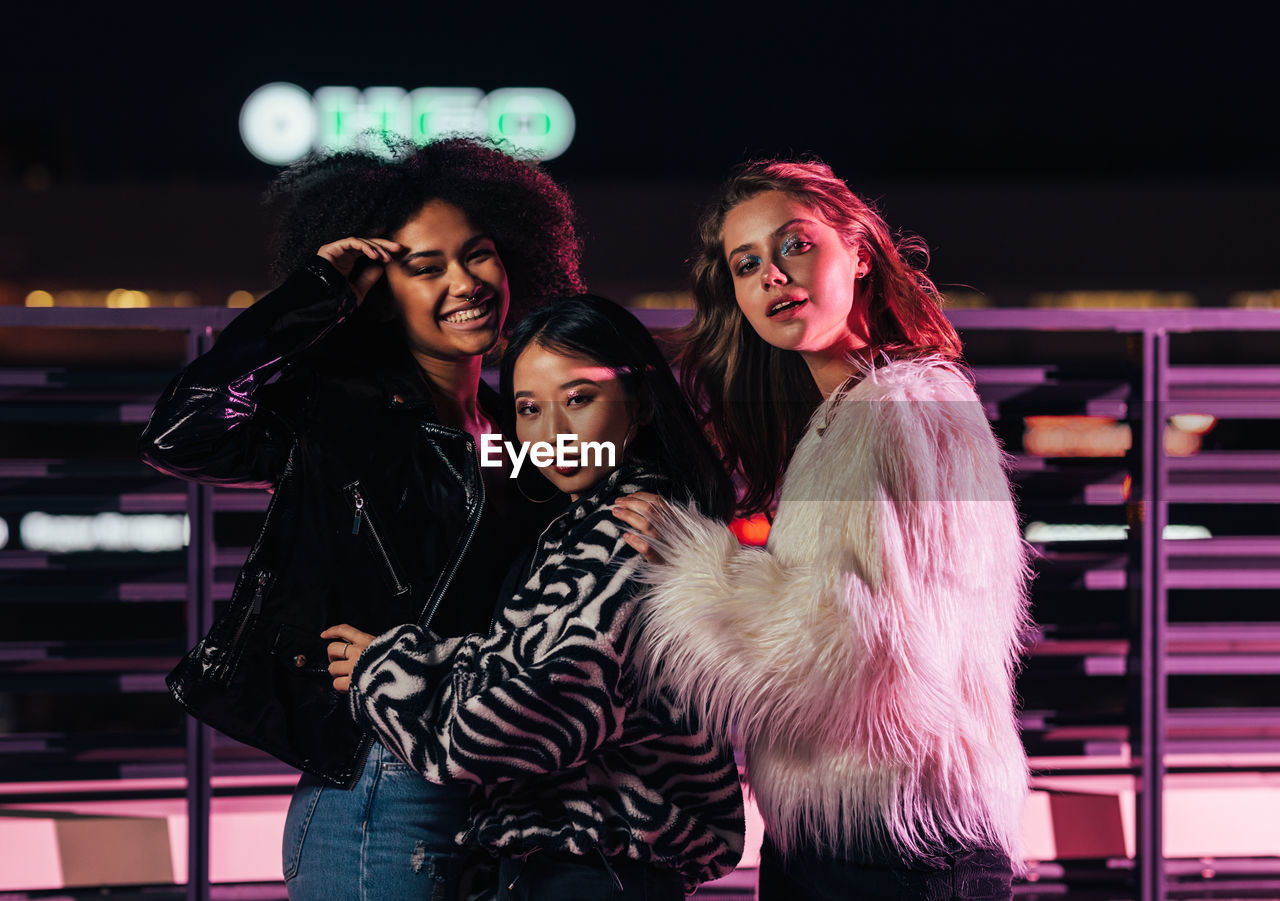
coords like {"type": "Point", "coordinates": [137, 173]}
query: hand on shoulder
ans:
{"type": "Point", "coordinates": [640, 511]}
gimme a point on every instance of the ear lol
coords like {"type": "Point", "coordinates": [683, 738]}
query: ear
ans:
{"type": "Point", "coordinates": [861, 261]}
{"type": "Point", "coordinates": [641, 415]}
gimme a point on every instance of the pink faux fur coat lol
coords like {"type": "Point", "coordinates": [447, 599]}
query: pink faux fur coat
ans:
{"type": "Point", "coordinates": [866, 658]}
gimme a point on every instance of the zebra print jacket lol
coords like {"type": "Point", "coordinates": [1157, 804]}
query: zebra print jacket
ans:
{"type": "Point", "coordinates": [543, 713]}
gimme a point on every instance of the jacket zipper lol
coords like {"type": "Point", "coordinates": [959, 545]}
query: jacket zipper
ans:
{"type": "Point", "coordinates": [357, 499]}
{"type": "Point", "coordinates": [254, 608]}
{"type": "Point", "coordinates": [424, 619]}
{"type": "Point", "coordinates": [533, 562]}
{"type": "Point", "coordinates": [433, 603]}
{"type": "Point", "coordinates": [220, 673]}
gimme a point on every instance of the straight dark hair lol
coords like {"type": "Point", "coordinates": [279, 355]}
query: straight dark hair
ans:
{"type": "Point", "coordinates": [670, 442]}
{"type": "Point", "coordinates": [759, 399]}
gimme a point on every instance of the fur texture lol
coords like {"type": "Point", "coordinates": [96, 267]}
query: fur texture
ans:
{"type": "Point", "coordinates": [866, 657]}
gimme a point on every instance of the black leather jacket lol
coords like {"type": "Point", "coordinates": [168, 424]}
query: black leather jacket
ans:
{"type": "Point", "coordinates": [379, 515]}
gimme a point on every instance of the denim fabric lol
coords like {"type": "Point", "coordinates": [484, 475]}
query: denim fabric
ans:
{"type": "Point", "coordinates": [388, 838]}
{"type": "Point", "coordinates": [807, 875]}
{"type": "Point", "coordinates": [568, 877]}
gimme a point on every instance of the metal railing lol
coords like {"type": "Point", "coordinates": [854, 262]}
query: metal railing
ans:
{"type": "Point", "coordinates": [1144, 366]}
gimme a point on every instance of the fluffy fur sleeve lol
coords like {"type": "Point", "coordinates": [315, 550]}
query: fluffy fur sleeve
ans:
{"type": "Point", "coordinates": [893, 584]}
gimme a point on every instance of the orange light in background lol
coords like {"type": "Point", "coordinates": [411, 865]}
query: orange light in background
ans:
{"type": "Point", "coordinates": [121, 299]}
{"type": "Point", "coordinates": [1102, 436]}
{"type": "Point", "coordinates": [662, 300]}
{"type": "Point", "coordinates": [753, 531]}
{"type": "Point", "coordinates": [240, 299]}
{"type": "Point", "coordinates": [117, 298]}
{"type": "Point", "coordinates": [1114, 300]}
{"type": "Point", "coordinates": [1255, 300]}
{"type": "Point", "coordinates": [1126, 488]}
{"type": "Point", "coordinates": [1184, 433]}
{"type": "Point", "coordinates": [1076, 436]}
{"type": "Point", "coordinates": [1178, 443]}
{"type": "Point", "coordinates": [967, 300]}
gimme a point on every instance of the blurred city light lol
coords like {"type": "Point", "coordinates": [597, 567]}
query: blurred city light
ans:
{"type": "Point", "coordinates": [1193, 423]}
{"type": "Point", "coordinates": [1113, 300]}
{"type": "Point", "coordinates": [121, 299]}
{"type": "Point", "coordinates": [149, 532]}
{"type": "Point", "coordinates": [280, 122]}
{"type": "Point", "coordinates": [1047, 533]}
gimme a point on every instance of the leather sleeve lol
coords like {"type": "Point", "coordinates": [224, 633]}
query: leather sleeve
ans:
{"type": "Point", "coordinates": [215, 423]}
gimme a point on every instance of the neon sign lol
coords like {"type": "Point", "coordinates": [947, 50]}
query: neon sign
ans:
{"type": "Point", "coordinates": [281, 122]}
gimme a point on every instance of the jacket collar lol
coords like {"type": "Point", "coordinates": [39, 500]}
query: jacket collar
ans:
{"type": "Point", "coordinates": [625, 479]}
{"type": "Point", "coordinates": [404, 388]}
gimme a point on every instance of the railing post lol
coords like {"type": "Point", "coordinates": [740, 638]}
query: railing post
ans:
{"type": "Point", "coordinates": [199, 763]}
{"type": "Point", "coordinates": [1150, 849]}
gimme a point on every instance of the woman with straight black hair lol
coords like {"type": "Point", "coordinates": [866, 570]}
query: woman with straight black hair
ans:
{"type": "Point", "coordinates": [669, 440]}
{"type": "Point", "coordinates": [584, 790]}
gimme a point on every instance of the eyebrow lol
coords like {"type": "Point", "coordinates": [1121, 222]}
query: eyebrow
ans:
{"type": "Point", "coordinates": [573, 384]}
{"type": "Point", "coordinates": [777, 231]}
{"type": "Point", "coordinates": [419, 254]}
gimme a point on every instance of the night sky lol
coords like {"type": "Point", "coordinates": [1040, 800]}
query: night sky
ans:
{"type": "Point", "coordinates": [1036, 146]}
{"type": "Point", "coordinates": [919, 90]}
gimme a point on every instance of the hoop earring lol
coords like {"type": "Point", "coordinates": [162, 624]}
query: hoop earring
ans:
{"type": "Point", "coordinates": [625, 438]}
{"type": "Point", "coordinates": [546, 500]}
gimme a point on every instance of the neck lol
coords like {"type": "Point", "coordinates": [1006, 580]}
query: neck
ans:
{"type": "Point", "coordinates": [830, 368]}
{"type": "Point", "coordinates": [453, 385]}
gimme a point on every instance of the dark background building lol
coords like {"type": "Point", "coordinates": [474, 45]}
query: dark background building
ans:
{"type": "Point", "coordinates": [1052, 154]}
{"type": "Point", "coordinates": [1045, 147]}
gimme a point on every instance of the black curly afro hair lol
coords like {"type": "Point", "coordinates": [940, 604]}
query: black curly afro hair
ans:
{"type": "Point", "coordinates": [370, 194]}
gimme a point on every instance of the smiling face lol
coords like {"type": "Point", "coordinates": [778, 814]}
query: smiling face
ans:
{"type": "Point", "coordinates": [794, 277]}
{"type": "Point", "coordinates": [559, 394]}
{"type": "Point", "coordinates": [449, 284]}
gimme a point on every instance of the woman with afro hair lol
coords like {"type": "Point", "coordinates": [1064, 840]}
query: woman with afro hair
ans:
{"type": "Point", "coordinates": [353, 392]}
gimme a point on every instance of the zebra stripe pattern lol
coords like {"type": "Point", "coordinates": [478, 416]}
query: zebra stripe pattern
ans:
{"type": "Point", "coordinates": [543, 714]}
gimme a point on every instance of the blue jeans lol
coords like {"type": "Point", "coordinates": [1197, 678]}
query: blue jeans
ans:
{"type": "Point", "coordinates": [878, 872]}
{"type": "Point", "coordinates": [388, 838]}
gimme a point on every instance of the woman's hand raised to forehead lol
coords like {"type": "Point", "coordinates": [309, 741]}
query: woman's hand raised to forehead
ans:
{"type": "Point", "coordinates": [346, 255]}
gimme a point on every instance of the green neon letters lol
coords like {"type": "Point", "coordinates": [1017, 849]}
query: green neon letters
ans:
{"type": "Point", "coordinates": [281, 122]}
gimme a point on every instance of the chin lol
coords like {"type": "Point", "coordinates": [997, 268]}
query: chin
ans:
{"type": "Point", "coordinates": [784, 342]}
{"type": "Point", "coordinates": [479, 344]}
